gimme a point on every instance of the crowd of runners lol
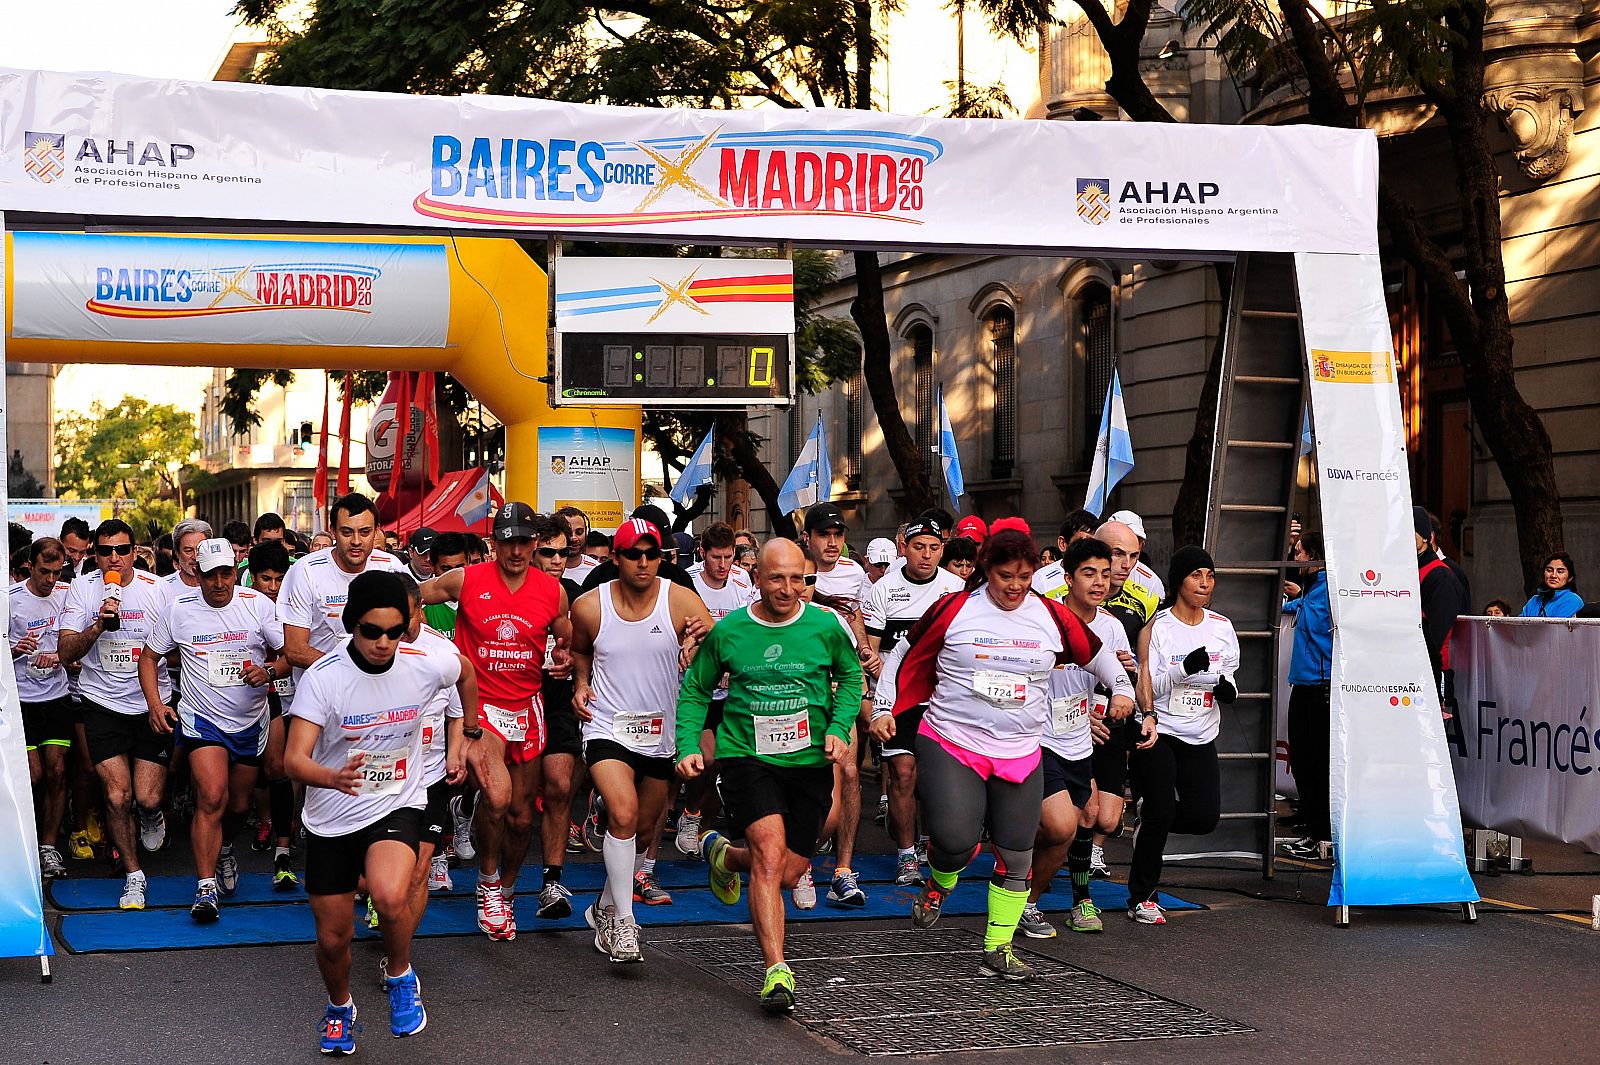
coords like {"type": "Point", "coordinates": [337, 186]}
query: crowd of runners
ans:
{"type": "Point", "coordinates": [392, 713]}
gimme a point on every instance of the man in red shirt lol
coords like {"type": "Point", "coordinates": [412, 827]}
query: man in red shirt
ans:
{"type": "Point", "coordinates": [505, 608]}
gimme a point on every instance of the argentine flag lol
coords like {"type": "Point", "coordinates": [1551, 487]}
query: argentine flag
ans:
{"type": "Point", "coordinates": [1113, 450]}
{"type": "Point", "coordinates": [949, 457]}
{"type": "Point", "coordinates": [476, 506]}
{"type": "Point", "coordinates": [1305, 432]}
{"type": "Point", "coordinates": [697, 473]}
{"type": "Point", "coordinates": [811, 480]}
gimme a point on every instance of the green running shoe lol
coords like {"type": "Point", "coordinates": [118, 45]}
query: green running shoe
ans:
{"type": "Point", "coordinates": [777, 994]}
{"type": "Point", "coordinates": [725, 884]}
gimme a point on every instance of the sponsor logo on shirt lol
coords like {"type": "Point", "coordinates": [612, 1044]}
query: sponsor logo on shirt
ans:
{"type": "Point", "coordinates": [397, 715]}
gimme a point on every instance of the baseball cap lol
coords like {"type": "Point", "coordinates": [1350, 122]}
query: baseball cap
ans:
{"type": "Point", "coordinates": [631, 531]}
{"type": "Point", "coordinates": [213, 554]}
{"type": "Point", "coordinates": [1131, 520]}
{"type": "Point", "coordinates": [683, 543]}
{"type": "Point", "coordinates": [972, 527]}
{"type": "Point", "coordinates": [423, 539]}
{"type": "Point", "coordinates": [514, 520]}
{"type": "Point", "coordinates": [923, 526]}
{"type": "Point", "coordinates": [880, 552]}
{"type": "Point", "coordinates": [824, 516]}
{"type": "Point", "coordinates": [651, 513]}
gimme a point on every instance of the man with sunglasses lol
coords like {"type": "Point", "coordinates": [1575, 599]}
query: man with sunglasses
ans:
{"type": "Point", "coordinates": [505, 609]}
{"type": "Point", "coordinates": [47, 717]}
{"type": "Point", "coordinates": [104, 626]}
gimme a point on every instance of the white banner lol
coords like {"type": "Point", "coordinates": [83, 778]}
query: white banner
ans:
{"type": "Point", "coordinates": [43, 517]}
{"type": "Point", "coordinates": [77, 286]}
{"type": "Point", "coordinates": [1396, 822]}
{"type": "Point", "coordinates": [634, 295]}
{"type": "Point", "coordinates": [1525, 747]}
{"type": "Point", "coordinates": [591, 468]}
{"type": "Point", "coordinates": [117, 146]}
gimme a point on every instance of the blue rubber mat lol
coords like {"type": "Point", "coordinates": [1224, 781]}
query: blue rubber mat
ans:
{"type": "Point", "coordinates": [247, 924]}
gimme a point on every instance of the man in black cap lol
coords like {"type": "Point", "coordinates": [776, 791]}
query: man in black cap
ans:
{"type": "Point", "coordinates": [672, 571]}
{"type": "Point", "coordinates": [1444, 598]}
{"type": "Point", "coordinates": [417, 560]}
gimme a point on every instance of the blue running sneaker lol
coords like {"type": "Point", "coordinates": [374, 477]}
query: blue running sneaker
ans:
{"type": "Point", "coordinates": [845, 891]}
{"type": "Point", "coordinates": [339, 1030]}
{"type": "Point", "coordinates": [406, 1015]}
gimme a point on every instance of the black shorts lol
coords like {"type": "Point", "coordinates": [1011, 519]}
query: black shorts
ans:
{"type": "Point", "coordinates": [714, 715]}
{"type": "Point", "coordinates": [906, 727]}
{"type": "Point", "coordinates": [436, 820]}
{"type": "Point", "coordinates": [114, 735]}
{"type": "Point", "coordinates": [563, 730]}
{"type": "Point", "coordinates": [752, 789]}
{"type": "Point", "coordinates": [1073, 776]}
{"type": "Point", "coordinates": [274, 705]}
{"type": "Point", "coordinates": [1110, 758]}
{"type": "Point", "coordinates": [334, 864]}
{"type": "Point", "coordinates": [47, 724]}
{"type": "Point", "coordinates": [601, 750]}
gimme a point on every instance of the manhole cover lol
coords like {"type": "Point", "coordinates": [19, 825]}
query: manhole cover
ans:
{"type": "Point", "coordinates": [904, 991]}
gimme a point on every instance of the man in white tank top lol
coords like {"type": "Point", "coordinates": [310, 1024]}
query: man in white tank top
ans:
{"type": "Point", "coordinates": [627, 642]}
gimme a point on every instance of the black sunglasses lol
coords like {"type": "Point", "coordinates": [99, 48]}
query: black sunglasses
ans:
{"type": "Point", "coordinates": [373, 632]}
{"type": "Point", "coordinates": [634, 554]}
{"type": "Point", "coordinates": [105, 550]}
{"type": "Point", "coordinates": [552, 552]}
{"type": "Point", "coordinates": [811, 580]}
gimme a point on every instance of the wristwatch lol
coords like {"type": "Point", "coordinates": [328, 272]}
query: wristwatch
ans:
{"type": "Point", "coordinates": [472, 733]}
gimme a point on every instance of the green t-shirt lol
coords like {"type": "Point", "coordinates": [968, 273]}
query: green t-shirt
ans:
{"type": "Point", "coordinates": [441, 616]}
{"type": "Point", "coordinates": [803, 671]}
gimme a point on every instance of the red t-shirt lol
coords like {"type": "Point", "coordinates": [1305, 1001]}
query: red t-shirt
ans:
{"type": "Point", "coordinates": [502, 633]}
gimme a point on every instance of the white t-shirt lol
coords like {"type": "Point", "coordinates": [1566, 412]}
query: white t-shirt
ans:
{"type": "Point", "coordinates": [989, 696]}
{"type": "Point", "coordinates": [445, 704]}
{"type": "Point", "coordinates": [379, 714]}
{"type": "Point", "coordinates": [847, 581]}
{"type": "Point", "coordinates": [1146, 577]}
{"type": "Point", "coordinates": [581, 570]}
{"type": "Point", "coordinates": [895, 604]}
{"type": "Point", "coordinates": [213, 644]}
{"type": "Point", "coordinates": [1186, 708]}
{"type": "Point", "coordinates": [110, 676]}
{"type": "Point", "coordinates": [736, 591]}
{"type": "Point", "coordinates": [1050, 581]}
{"type": "Point", "coordinates": [1072, 690]}
{"type": "Point", "coordinates": [635, 677]}
{"type": "Point", "coordinates": [39, 617]}
{"type": "Point", "coordinates": [314, 593]}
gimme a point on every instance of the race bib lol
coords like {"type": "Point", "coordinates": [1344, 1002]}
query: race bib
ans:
{"type": "Point", "coordinates": [1099, 704]}
{"type": "Point", "coordinates": [382, 772]}
{"type": "Point", "coordinates": [511, 724]}
{"type": "Point", "coordinates": [639, 730]}
{"type": "Point", "coordinates": [1069, 713]}
{"type": "Point", "coordinates": [1190, 701]}
{"type": "Point", "coordinates": [1000, 687]}
{"type": "Point", "coordinates": [284, 686]}
{"type": "Point", "coordinates": [119, 656]}
{"type": "Point", "coordinates": [783, 733]}
{"type": "Point", "coordinates": [33, 669]}
{"type": "Point", "coordinates": [225, 669]}
{"type": "Point", "coordinates": [427, 737]}
{"type": "Point", "coordinates": [549, 653]}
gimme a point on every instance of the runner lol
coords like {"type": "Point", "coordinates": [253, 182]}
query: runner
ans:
{"type": "Point", "coordinates": [1143, 577]}
{"type": "Point", "coordinates": [47, 714]}
{"type": "Point", "coordinates": [231, 645]}
{"type": "Point", "coordinates": [597, 545]}
{"type": "Point", "coordinates": [269, 565]}
{"type": "Point", "coordinates": [356, 736]}
{"type": "Point", "coordinates": [77, 539]}
{"type": "Point", "coordinates": [981, 660]}
{"type": "Point", "coordinates": [314, 591]}
{"type": "Point", "coordinates": [505, 610]}
{"type": "Point", "coordinates": [960, 557]}
{"type": "Point", "coordinates": [447, 552]}
{"type": "Point", "coordinates": [419, 563]}
{"type": "Point", "coordinates": [794, 691]}
{"type": "Point", "coordinates": [1081, 700]}
{"type": "Point", "coordinates": [578, 561]}
{"type": "Point", "coordinates": [107, 618]}
{"type": "Point", "coordinates": [880, 554]}
{"type": "Point", "coordinates": [1191, 654]}
{"type": "Point", "coordinates": [627, 637]}
{"type": "Point", "coordinates": [607, 570]}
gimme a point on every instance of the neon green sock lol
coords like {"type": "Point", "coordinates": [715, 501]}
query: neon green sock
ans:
{"type": "Point", "coordinates": [946, 881]}
{"type": "Point", "coordinates": [1005, 910]}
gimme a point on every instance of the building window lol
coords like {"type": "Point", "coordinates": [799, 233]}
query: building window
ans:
{"type": "Point", "coordinates": [1002, 328]}
{"type": "Point", "coordinates": [1099, 358]}
{"type": "Point", "coordinates": [854, 401]}
{"type": "Point", "coordinates": [921, 340]}
{"type": "Point", "coordinates": [298, 506]}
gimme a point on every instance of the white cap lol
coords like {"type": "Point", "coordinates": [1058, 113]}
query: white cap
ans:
{"type": "Point", "coordinates": [880, 552]}
{"type": "Point", "coordinates": [213, 554]}
{"type": "Point", "coordinates": [1131, 520]}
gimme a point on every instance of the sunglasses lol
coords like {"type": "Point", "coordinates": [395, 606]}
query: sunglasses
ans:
{"type": "Point", "coordinates": [372, 632]}
{"type": "Point", "coordinates": [811, 580]}
{"type": "Point", "coordinates": [105, 550]}
{"type": "Point", "coordinates": [553, 552]}
{"type": "Point", "coordinates": [634, 554]}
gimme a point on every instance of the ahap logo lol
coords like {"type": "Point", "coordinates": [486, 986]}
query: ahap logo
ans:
{"type": "Point", "coordinates": [44, 156]}
{"type": "Point", "coordinates": [1094, 200]}
{"type": "Point", "coordinates": [1352, 367]}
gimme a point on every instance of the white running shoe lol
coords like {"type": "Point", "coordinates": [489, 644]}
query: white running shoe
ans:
{"type": "Point", "coordinates": [1146, 912]}
{"type": "Point", "coordinates": [439, 874]}
{"type": "Point", "coordinates": [625, 941]}
{"type": "Point", "coordinates": [152, 830]}
{"type": "Point", "coordinates": [601, 920]}
{"type": "Point", "coordinates": [805, 892]}
{"type": "Point", "coordinates": [688, 841]}
{"type": "Point", "coordinates": [463, 829]}
{"type": "Point", "coordinates": [132, 893]}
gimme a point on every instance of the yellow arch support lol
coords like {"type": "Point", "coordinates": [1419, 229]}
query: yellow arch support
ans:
{"type": "Point", "coordinates": [496, 347]}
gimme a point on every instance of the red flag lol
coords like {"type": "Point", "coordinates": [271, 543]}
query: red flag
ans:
{"type": "Point", "coordinates": [428, 401]}
{"type": "Point", "coordinates": [344, 437]}
{"type": "Point", "coordinates": [402, 440]}
{"type": "Point", "coordinates": [319, 486]}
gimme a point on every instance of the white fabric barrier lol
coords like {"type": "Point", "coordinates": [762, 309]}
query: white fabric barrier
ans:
{"type": "Point", "coordinates": [1524, 738]}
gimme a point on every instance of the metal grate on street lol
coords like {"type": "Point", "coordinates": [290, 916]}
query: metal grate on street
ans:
{"type": "Point", "coordinates": [905, 991]}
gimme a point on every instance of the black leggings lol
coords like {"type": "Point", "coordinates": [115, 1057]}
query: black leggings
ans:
{"type": "Point", "coordinates": [1182, 792]}
{"type": "Point", "coordinates": [956, 801]}
{"type": "Point", "coordinates": [1308, 755]}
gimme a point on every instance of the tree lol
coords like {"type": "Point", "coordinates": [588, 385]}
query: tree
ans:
{"type": "Point", "coordinates": [138, 451]}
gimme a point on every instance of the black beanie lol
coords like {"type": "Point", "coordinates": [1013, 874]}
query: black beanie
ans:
{"type": "Point", "coordinates": [1185, 560]}
{"type": "Point", "coordinates": [374, 590]}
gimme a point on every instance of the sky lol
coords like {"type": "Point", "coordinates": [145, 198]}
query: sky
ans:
{"type": "Point", "coordinates": [152, 38]}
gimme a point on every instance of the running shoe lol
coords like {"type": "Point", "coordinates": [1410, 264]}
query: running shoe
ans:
{"type": "Point", "coordinates": [91, 825]}
{"type": "Point", "coordinates": [439, 874]}
{"type": "Point", "coordinates": [152, 830]}
{"type": "Point", "coordinates": [283, 878]}
{"type": "Point", "coordinates": [600, 919]}
{"type": "Point", "coordinates": [227, 874]}
{"type": "Point", "coordinates": [1085, 917]}
{"type": "Point", "coordinates": [648, 890]}
{"type": "Point", "coordinates": [594, 825]}
{"type": "Point", "coordinates": [928, 905]}
{"type": "Point", "coordinates": [777, 993]}
{"type": "Point", "coordinates": [555, 902]}
{"type": "Point", "coordinates": [625, 941]}
{"type": "Point", "coordinates": [491, 909]}
{"type": "Point", "coordinates": [826, 846]}
{"type": "Point", "coordinates": [371, 915]}
{"type": "Point", "coordinates": [1033, 925]}
{"type": "Point", "coordinates": [882, 816]}
{"type": "Point", "coordinates": [1306, 847]}
{"type": "Point", "coordinates": [1098, 870]}
{"type": "Point", "coordinates": [51, 867]}
{"type": "Point", "coordinates": [383, 972]}
{"type": "Point", "coordinates": [805, 892]}
{"type": "Point", "coordinates": [406, 1015]}
{"type": "Point", "coordinates": [509, 932]}
{"type": "Point", "coordinates": [845, 891]}
{"type": "Point", "coordinates": [725, 883]}
{"type": "Point", "coordinates": [463, 831]}
{"type": "Point", "coordinates": [183, 808]}
{"type": "Point", "coordinates": [205, 909]}
{"type": "Point", "coordinates": [1146, 912]}
{"type": "Point", "coordinates": [688, 840]}
{"type": "Point", "coordinates": [1004, 963]}
{"type": "Point", "coordinates": [79, 846]}
{"type": "Point", "coordinates": [922, 850]}
{"type": "Point", "coordinates": [339, 1030]}
{"type": "Point", "coordinates": [907, 872]}
{"type": "Point", "coordinates": [575, 839]}
{"type": "Point", "coordinates": [262, 840]}
{"type": "Point", "coordinates": [132, 893]}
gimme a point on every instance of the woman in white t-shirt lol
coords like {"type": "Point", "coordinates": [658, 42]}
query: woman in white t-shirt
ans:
{"type": "Point", "coordinates": [1190, 653]}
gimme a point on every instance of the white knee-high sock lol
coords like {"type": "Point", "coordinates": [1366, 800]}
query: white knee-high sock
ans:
{"type": "Point", "coordinates": [618, 854]}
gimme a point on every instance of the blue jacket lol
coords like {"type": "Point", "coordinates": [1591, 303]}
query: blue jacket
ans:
{"type": "Point", "coordinates": [1312, 661]}
{"type": "Point", "coordinates": [1563, 604]}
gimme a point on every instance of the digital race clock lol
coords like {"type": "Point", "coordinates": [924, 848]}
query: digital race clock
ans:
{"type": "Point", "coordinates": [677, 369]}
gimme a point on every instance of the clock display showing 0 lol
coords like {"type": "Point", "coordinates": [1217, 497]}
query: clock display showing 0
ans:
{"type": "Point", "coordinates": [668, 368]}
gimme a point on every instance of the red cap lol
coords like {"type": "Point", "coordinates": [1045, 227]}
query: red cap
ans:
{"type": "Point", "coordinates": [632, 530]}
{"type": "Point", "coordinates": [973, 528]}
{"type": "Point", "coordinates": [1014, 524]}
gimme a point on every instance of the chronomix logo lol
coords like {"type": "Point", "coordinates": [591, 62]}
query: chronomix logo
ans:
{"type": "Point", "coordinates": [1352, 367]}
